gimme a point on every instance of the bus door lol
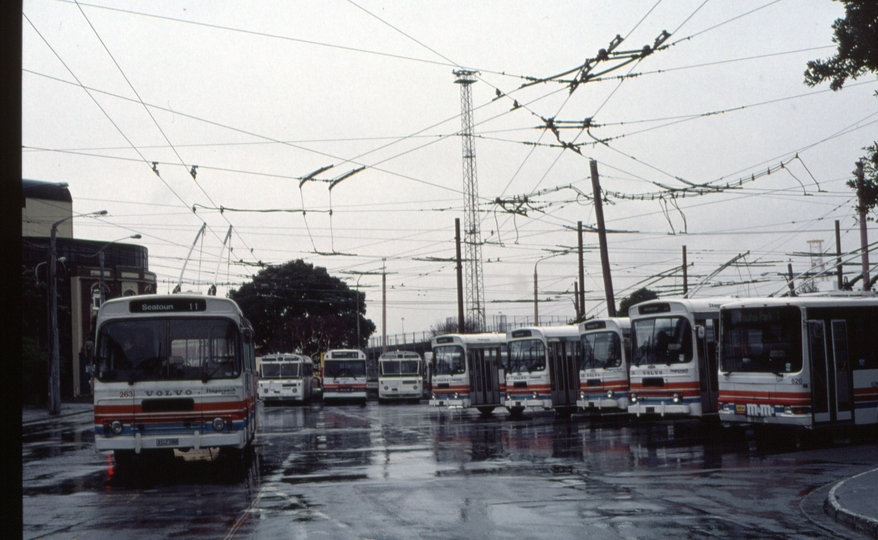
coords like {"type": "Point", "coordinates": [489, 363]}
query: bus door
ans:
{"type": "Point", "coordinates": [821, 385]}
{"type": "Point", "coordinates": [563, 373]}
{"type": "Point", "coordinates": [708, 367]}
{"type": "Point", "coordinates": [484, 381]}
{"type": "Point", "coordinates": [843, 375]}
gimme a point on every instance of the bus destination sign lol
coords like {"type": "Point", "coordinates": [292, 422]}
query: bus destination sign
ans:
{"type": "Point", "coordinates": [167, 305]}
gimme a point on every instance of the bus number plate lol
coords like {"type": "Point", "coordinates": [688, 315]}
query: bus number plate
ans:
{"type": "Point", "coordinates": [167, 442]}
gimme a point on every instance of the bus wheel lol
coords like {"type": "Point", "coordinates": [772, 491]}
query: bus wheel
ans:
{"type": "Point", "coordinates": [486, 411]}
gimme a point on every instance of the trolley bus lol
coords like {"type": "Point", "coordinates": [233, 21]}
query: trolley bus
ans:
{"type": "Point", "coordinates": [603, 367]}
{"type": "Point", "coordinates": [344, 375]}
{"type": "Point", "coordinates": [173, 372]}
{"type": "Point", "coordinates": [469, 371]}
{"type": "Point", "coordinates": [673, 371]}
{"type": "Point", "coordinates": [285, 377]}
{"type": "Point", "coordinates": [401, 376]}
{"type": "Point", "coordinates": [808, 362]}
{"type": "Point", "coordinates": [543, 369]}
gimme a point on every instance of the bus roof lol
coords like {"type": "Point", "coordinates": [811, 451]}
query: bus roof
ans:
{"type": "Point", "coordinates": [157, 305]}
{"type": "Point", "coordinates": [609, 323]}
{"type": "Point", "coordinates": [543, 331]}
{"type": "Point", "coordinates": [399, 355]}
{"type": "Point", "coordinates": [803, 301]}
{"type": "Point", "coordinates": [677, 305]}
{"type": "Point", "coordinates": [286, 357]}
{"type": "Point", "coordinates": [486, 338]}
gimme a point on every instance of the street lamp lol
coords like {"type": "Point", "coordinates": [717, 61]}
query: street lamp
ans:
{"type": "Point", "coordinates": [101, 260]}
{"type": "Point", "coordinates": [54, 363]}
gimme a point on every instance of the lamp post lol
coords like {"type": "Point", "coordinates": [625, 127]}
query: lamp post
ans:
{"type": "Point", "coordinates": [54, 363]}
{"type": "Point", "coordinates": [101, 260]}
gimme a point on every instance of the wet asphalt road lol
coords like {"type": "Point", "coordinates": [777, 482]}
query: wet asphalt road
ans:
{"type": "Point", "coordinates": [410, 471]}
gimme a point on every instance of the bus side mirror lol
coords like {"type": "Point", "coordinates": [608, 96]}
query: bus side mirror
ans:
{"type": "Point", "coordinates": [699, 330]}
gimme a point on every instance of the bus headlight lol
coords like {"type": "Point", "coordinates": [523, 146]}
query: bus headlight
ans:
{"type": "Point", "coordinates": [535, 394]}
{"type": "Point", "coordinates": [116, 427]}
{"type": "Point", "coordinates": [581, 394]}
{"type": "Point", "coordinates": [676, 397]}
{"type": "Point", "coordinates": [218, 424]}
{"type": "Point", "coordinates": [633, 397]}
{"type": "Point", "coordinates": [386, 388]}
{"type": "Point", "coordinates": [610, 394]}
{"type": "Point", "coordinates": [432, 395]}
{"type": "Point", "coordinates": [456, 395]}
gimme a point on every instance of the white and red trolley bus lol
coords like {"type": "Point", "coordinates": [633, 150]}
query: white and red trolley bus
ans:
{"type": "Point", "coordinates": [285, 377]}
{"type": "Point", "coordinates": [344, 375]}
{"type": "Point", "coordinates": [173, 372]}
{"type": "Point", "coordinates": [673, 371]}
{"type": "Point", "coordinates": [803, 361]}
{"type": "Point", "coordinates": [603, 367]}
{"type": "Point", "coordinates": [543, 371]}
{"type": "Point", "coordinates": [401, 376]}
{"type": "Point", "coordinates": [469, 371]}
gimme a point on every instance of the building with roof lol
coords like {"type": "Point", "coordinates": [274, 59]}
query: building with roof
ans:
{"type": "Point", "coordinates": [125, 273]}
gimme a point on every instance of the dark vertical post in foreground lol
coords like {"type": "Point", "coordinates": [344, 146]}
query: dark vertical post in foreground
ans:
{"type": "Point", "coordinates": [602, 237]}
{"type": "Point", "coordinates": [460, 317]}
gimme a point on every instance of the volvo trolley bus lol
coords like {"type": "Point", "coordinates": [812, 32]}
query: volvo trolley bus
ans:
{"type": "Point", "coordinates": [285, 377]}
{"type": "Point", "coordinates": [344, 375]}
{"type": "Point", "coordinates": [543, 369]}
{"type": "Point", "coordinates": [400, 376]}
{"type": "Point", "coordinates": [603, 366]}
{"type": "Point", "coordinates": [673, 370]}
{"type": "Point", "coordinates": [808, 362]}
{"type": "Point", "coordinates": [175, 372]}
{"type": "Point", "coordinates": [469, 371]}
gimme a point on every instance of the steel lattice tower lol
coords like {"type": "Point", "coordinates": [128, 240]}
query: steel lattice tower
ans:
{"type": "Point", "coordinates": [475, 289]}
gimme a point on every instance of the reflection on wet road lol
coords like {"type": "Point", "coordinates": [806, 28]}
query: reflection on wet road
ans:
{"type": "Point", "coordinates": [403, 471]}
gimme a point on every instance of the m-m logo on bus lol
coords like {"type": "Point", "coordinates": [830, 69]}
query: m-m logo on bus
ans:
{"type": "Point", "coordinates": [752, 409]}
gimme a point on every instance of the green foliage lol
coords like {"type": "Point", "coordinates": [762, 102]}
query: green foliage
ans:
{"type": "Point", "coordinates": [857, 38]}
{"type": "Point", "coordinates": [296, 307]}
{"type": "Point", "coordinates": [867, 190]}
{"type": "Point", "coordinates": [638, 296]}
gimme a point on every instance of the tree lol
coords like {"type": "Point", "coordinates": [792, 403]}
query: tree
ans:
{"type": "Point", "coordinates": [296, 307]}
{"type": "Point", "coordinates": [638, 296]}
{"type": "Point", "coordinates": [857, 38]}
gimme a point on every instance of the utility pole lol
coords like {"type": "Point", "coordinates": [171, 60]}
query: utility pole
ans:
{"type": "Point", "coordinates": [461, 320]}
{"type": "Point", "coordinates": [580, 295]}
{"type": "Point", "coordinates": [602, 237]}
{"type": "Point", "coordinates": [791, 285]}
{"type": "Point", "coordinates": [383, 306]}
{"type": "Point", "coordinates": [864, 236]}
{"type": "Point", "coordinates": [475, 294]}
{"type": "Point", "coordinates": [838, 272]}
